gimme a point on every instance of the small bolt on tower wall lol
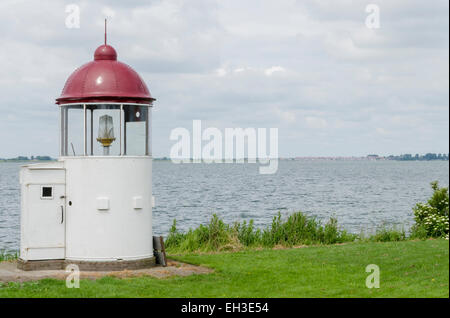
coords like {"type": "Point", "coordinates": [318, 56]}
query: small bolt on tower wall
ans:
{"type": "Point", "coordinates": [93, 206]}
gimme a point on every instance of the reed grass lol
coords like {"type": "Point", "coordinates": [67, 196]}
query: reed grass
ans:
{"type": "Point", "coordinates": [296, 229]}
{"type": "Point", "coordinates": [8, 256]}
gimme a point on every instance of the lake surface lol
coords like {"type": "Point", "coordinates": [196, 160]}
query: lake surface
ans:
{"type": "Point", "coordinates": [363, 195]}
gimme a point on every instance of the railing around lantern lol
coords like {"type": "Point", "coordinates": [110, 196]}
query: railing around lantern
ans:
{"type": "Point", "coordinates": [124, 129]}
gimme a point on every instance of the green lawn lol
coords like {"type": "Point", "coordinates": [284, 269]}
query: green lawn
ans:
{"type": "Point", "coordinates": [408, 269]}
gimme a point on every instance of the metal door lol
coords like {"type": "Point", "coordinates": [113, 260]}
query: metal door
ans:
{"type": "Point", "coordinates": [45, 221]}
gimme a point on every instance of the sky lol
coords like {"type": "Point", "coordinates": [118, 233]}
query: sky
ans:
{"type": "Point", "coordinates": [311, 68]}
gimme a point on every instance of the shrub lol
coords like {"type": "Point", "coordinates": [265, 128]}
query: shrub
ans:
{"type": "Point", "coordinates": [174, 238]}
{"type": "Point", "coordinates": [215, 236]}
{"type": "Point", "coordinates": [385, 234]}
{"type": "Point", "coordinates": [247, 234]}
{"type": "Point", "coordinates": [297, 229]}
{"type": "Point", "coordinates": [8, 256]}
{"type": "Point", "coordinates": [432, 217]}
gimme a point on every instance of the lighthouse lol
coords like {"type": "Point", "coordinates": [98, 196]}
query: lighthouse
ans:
{"type": "Point", "coordinates": [93, 206]}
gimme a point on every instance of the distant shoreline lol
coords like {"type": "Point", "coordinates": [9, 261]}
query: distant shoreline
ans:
{"type": "Point", "coordinates": [428, 157]}
{"type": "Point", "coordinates": [25, 161]}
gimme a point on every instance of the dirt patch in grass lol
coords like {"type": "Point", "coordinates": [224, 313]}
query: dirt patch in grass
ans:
{"type": "Point", "coordinates": [10, 273]}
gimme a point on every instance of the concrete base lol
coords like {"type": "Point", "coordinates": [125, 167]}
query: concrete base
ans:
{"type": "Point", "coordinates": [40, 265]}
{"type": "Point", "coordinates": [86, 265]}
{"type": "Point", "coordinates": [10, 273]}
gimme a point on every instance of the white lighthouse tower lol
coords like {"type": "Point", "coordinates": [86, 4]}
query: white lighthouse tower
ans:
{"type": "Point", "coordinates": [93, 207]}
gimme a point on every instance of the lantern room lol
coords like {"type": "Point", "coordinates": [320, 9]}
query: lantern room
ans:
{"type": "Point", "coordinates": [105, 109]}
{"type": "Point", "coordinates": [93, 206]}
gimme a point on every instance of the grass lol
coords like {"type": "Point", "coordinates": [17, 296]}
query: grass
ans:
{"type": "Point", "coordinates": [7, 256]}
{"type": "Point", "coordinates": [408, 269]}
{"type": "Point", "coordinates": [295, 230]}
{"type": "Point", "coordinates": [386, 234]}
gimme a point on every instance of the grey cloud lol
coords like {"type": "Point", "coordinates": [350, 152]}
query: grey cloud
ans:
{"type": "Point", "coordinates": [344, 89]}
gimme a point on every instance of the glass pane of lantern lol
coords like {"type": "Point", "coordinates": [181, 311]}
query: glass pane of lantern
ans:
{"type": "Point", "coordinates": [149, 132]}
{"type": "Point", "coordinates": [62, 136]}
{"type": "Point", "coordinates": [103, 130]}
{"type": "Point", "coordinates": [135, 130]}
{"type": "Point", "coordinates": [89, 119]}
{"type": "Point", "coordinates": [75, 131]}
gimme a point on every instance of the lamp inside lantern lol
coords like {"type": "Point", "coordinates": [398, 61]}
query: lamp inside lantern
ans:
{"type": "Point", "coordinates": [106, 132]}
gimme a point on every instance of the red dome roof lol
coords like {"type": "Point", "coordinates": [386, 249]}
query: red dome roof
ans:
{"type": "Point", "coordinates": [105, 79]}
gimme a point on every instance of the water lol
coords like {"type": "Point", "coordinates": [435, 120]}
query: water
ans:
{"type": "Point", "coordinates": [363, 195]}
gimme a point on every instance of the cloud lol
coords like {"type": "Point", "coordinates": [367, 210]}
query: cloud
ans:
{"type": "Point", "coordinates": [274, 69]}
{"type": "Point", "coordinates": [311, 68]}
{"type": "Point", "coordinates": [382, 131]}
{"type": "Point", "coordinates": [316, 122]}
